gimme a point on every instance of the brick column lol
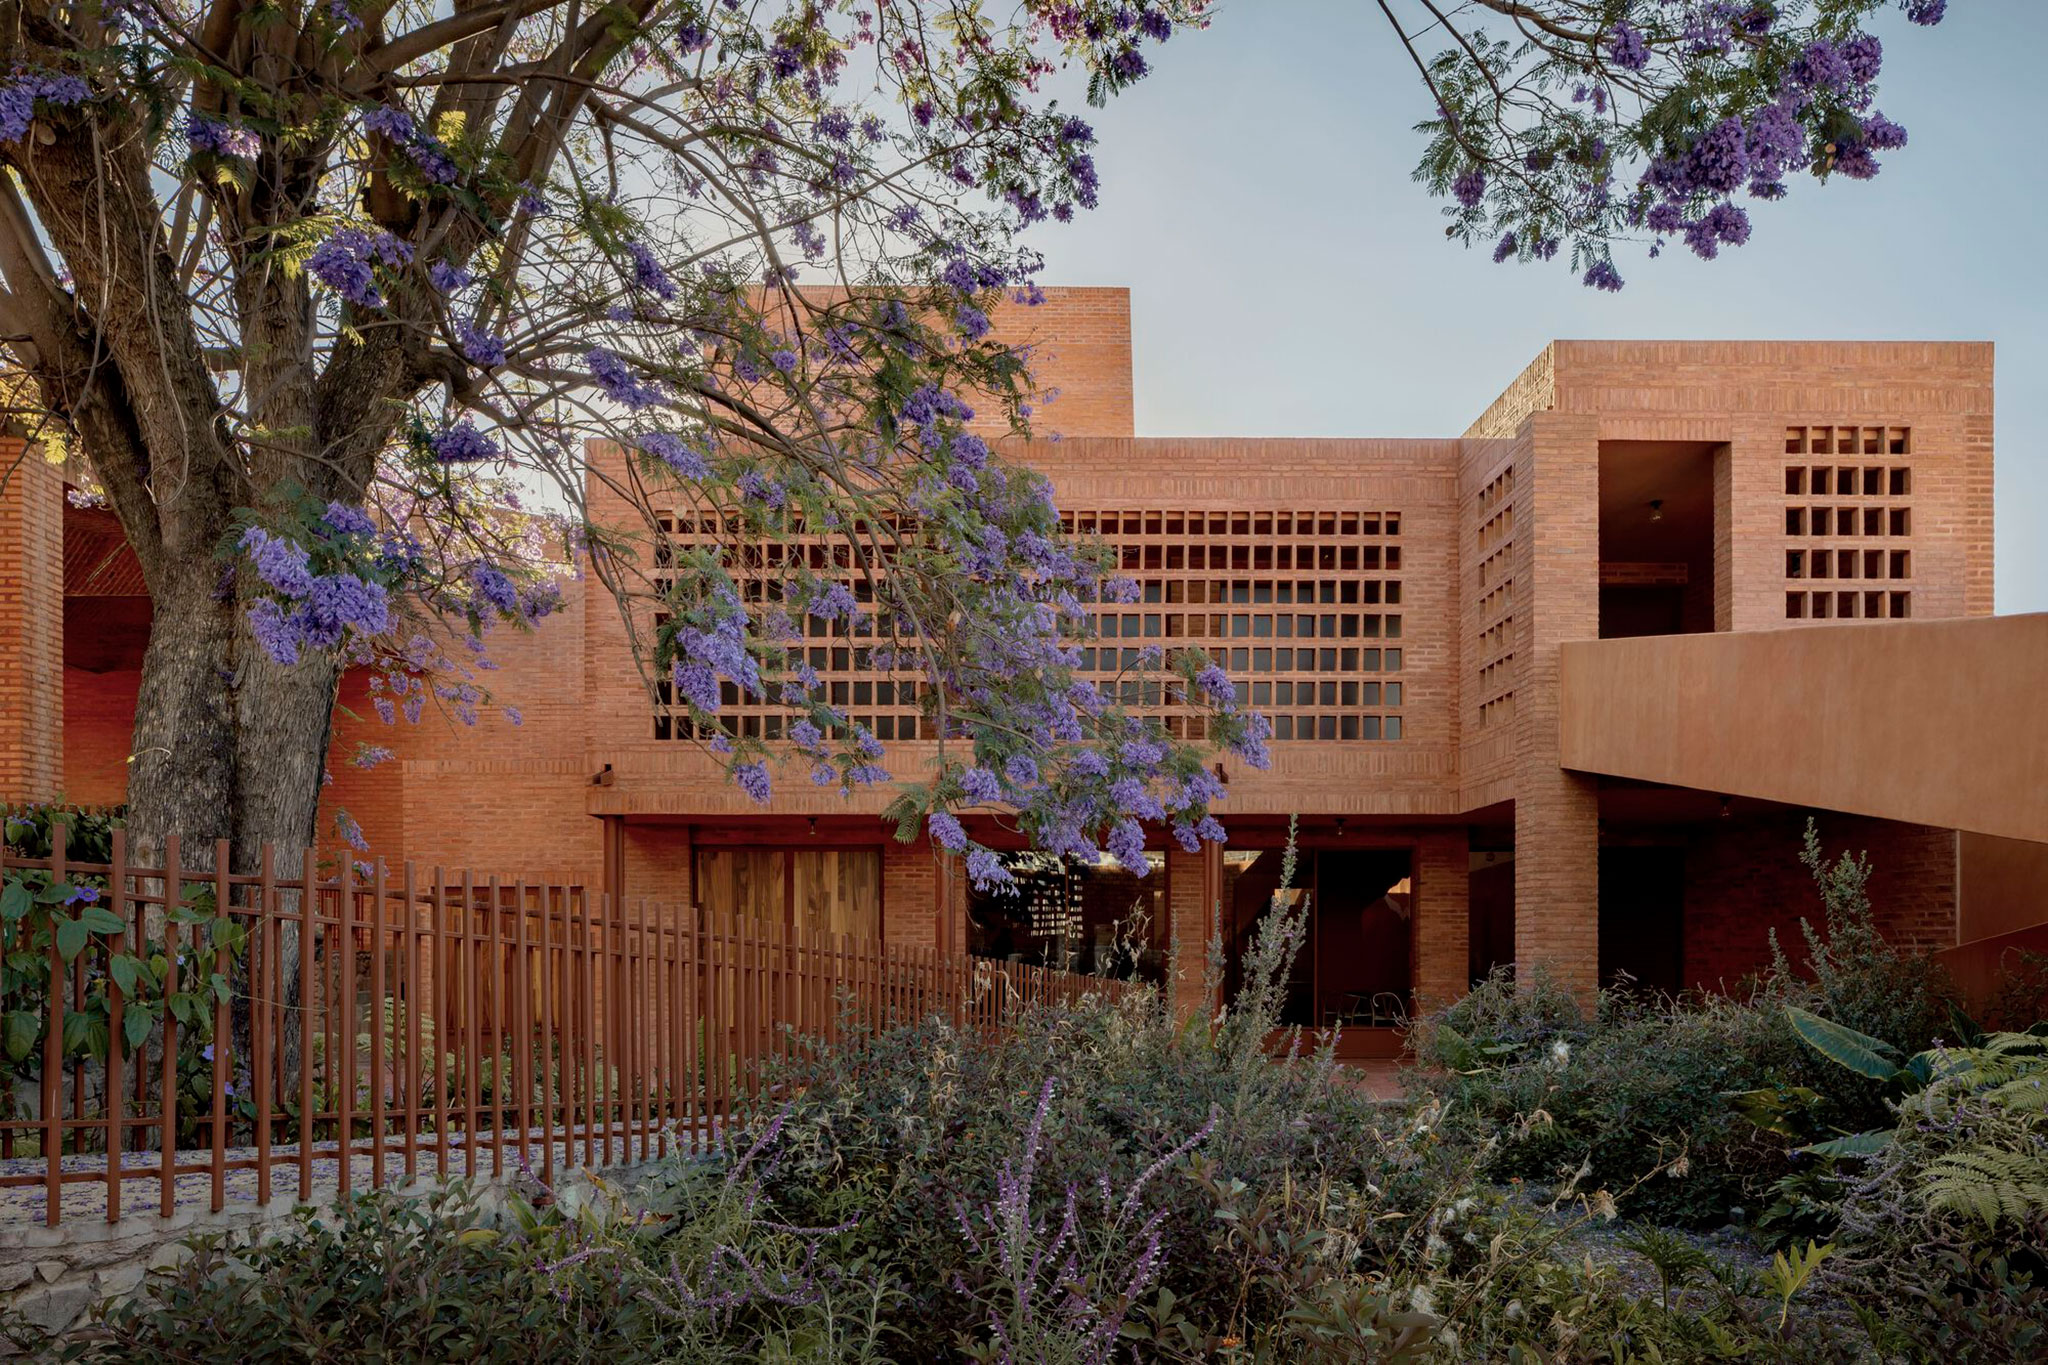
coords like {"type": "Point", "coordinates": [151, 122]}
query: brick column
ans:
{"type": "Point", "coordinates": [924, 897]}
{"type": "Point", "coordinates": [1557, 824]}
{"type": "Point", "coordinates": [1749, 527]}
{"type": "Point", "coordinates": [1189, 911]}
{"type": "Point", "coordinates": [31, 626]}
{"type": "Point", "coordinates": [1439, 941]}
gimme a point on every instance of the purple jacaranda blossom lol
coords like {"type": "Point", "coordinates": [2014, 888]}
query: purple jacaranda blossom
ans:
{"type": "Point", "coordinates": [618, 381]}
{"type": "Point", "coordinates": [684, 457]}
{"type": "Point", "coordinates": [462, 444]}
{"type": "Point", "coordinates": [19, 96]}
{"type": "Point", "coordinates": [753, 780]}
{"type": "Point", "coordinates": [1626, 47]}
{"type": "Point", "coordinates": [946, 831]}
{"type": "Point", "coordinates": [221, 139]}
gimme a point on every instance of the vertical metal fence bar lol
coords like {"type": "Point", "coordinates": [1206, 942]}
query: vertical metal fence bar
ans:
{"type": "Point", "coordinates": [117, 1041]}
{"type": "Point", "coordinates": [265, 928]}
{"type": "Point", "coordinates": [53, 1061]}
{"type": "Point", "coordinates": [473, 1016]}
{"type": "Point", "coordinates": [309, 933]}
{"type": "Point", "coordinates": [522, 1020]}
{"type": "Point", "coordinates": [379, 1014]}
{"type": "Point", "coordinates": [342, 1063]}
{"type": "Point", "coordinates": [414, 1003]}
{"type": "Point", "coordinates": [549, 1046]}
{"type": "Point", "coordinates": [439, 1067]}
{"type": "Point", "coordinates": [167, 1179]}
{"type": "Point", "coordinates": [223, 1053]}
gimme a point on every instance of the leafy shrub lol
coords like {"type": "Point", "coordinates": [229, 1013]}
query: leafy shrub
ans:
{"type": "Point", "coordinates": [697, 1272]}
{"type": "Point", "coordinates": [1634, 1087]}
{"type": "Point", "coordinates": [1151, 1141]}
{"type": "Point", "coordinates": [1632, 1082]}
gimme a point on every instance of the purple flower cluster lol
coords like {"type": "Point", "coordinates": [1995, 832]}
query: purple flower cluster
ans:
{"type": "Point", "coordinates": [1626, 47]}
{"type": "Point", "coordinates": [686, 459]}
{"type": "Point", "coordinates": [345, 520]}
{"type": "Point", "coordinates": [714, 647]}
{"type": "Point", "coordinates": [480, 348]}
{"type": "Point", "coordinates": [426, 152]}
{"type": "Point", "coordinates": [648, 274]}
{"type": "Point", "coordinates": [310, 611]}
{"type": "Point", "coordinates": [618, 381]}
{"type": "Point", "coordinates": [221, 139]}
{"type": "Point", "coordinates": [462, 444]}
{"type": "Point", "coordinates": [346, 263]}
{"type": "Point", "coordinates": [18, 99]}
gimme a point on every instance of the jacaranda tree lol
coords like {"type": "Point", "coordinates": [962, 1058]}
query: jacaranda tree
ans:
{"type": "Point", "coordinates": [318, 286]}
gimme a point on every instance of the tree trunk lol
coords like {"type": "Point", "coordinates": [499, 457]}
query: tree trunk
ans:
{"type": "Point", "coordinates": [181, 779]}
{"type": "Point", "coordinates": [229, 745]}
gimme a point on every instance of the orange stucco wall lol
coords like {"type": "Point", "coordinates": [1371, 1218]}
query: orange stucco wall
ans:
{"type": "Point", "coordinates": [1936, 722]}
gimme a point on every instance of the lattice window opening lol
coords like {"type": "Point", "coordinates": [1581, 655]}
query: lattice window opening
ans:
{"type": "Point", "coordinates": [1857, 605]}
{"type": "Point", "coordinates": [1494, 512]}
{"type": "Point", "coordinates": [891, 704]}
{"type": "Point", "coordinates": [1848, 439]}
{"type": "Point", "coordinates": [1857, 496]}
{"type": "Point", "coordinates": [1241, 619]}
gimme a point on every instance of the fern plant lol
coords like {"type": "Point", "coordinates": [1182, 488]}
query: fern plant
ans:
{"type": "Point", "coordinates": [1990, 1183]}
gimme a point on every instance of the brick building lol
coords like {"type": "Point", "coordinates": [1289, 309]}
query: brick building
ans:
{"type": "Point", "coordinates": [1414, 615]}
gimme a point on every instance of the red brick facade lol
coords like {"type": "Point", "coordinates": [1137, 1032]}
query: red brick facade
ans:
{"type": "Point", "coordinates": [1396, 606]}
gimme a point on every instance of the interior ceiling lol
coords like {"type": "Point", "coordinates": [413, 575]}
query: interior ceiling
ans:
{"type": "Point", "coordinates": [97, 560]}
{"type": "Point", "coordinates": [1633, 474]}
{"type": "Point", "coordinates": [1644, 803]}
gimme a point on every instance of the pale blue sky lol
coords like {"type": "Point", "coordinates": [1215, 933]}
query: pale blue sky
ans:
{"type": "Point", "coordinates": [1287, 279]}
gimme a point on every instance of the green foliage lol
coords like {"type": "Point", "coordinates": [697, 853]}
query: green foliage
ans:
{"type": "Point", "coordinates": [1711, 1088]}
{"type": "Point", "coordinates": [1632, 1086]}
{"type": "Point", "coordinates": [1861, 1053]}
{"type": "Point", "coordinates": [1988, 1184]}
{"type": "Point", "coordinates": [41, 916]}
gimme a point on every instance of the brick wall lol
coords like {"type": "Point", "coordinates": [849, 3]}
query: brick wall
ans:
{"type": "Point", "coordinates": [1439, 946]}
{"type": "Point", "coordinates": [518, 799]}
{"type": "Point", "coordinates": [99, 724]}
{"type": "Point", "coordinates": [31, 625]}
{"type": "Point", "coordinates": [1190, 918]}
{"type": "Point", "coordinates": [914, 879]}
{"type": "Point", "coordinates": [1744, 882]}
{"type": "Point", "coordinates": [1557, 860]}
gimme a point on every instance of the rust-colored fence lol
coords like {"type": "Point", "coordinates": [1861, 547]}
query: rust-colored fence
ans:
{"type": "Point", "coordinates": [200, 1035]}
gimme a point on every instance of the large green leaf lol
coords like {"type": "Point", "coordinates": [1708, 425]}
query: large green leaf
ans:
{"type": "Point", "coordinates": [1852, 1144]}
{"type": "Point", "coordinates": [72, 936]}
{"type": "Point", "coordinates": [1861, 1053]}
{"type": "Point", "coordinates": [21, 1029]}
{"type": "Point", "coordinates": [15, 902]}
{"type": "Point", "coordinates": [135, 1026]}
{"type": "Point", "coordinates": [101, 920]}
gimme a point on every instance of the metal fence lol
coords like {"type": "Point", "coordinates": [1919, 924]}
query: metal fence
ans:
{"type": "Point", "coordinates": [166, 1030]}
